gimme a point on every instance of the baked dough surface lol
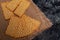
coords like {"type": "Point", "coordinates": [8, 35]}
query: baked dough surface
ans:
{"type": "Point", "coordinates": [20, 27]}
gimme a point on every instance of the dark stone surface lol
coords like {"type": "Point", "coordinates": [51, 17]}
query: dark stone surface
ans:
{"type": "Point", "coordinates": [51, 8]}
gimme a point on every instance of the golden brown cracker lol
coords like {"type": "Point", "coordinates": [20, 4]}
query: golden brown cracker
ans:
{"type": "Point", "coordinates": [13, 4]}
{"type": "Point", "coordinates": [7, 13]}
{"type": "Point", "coordinates": [22, 8]}
{"type": "Point", "coordinates": [20, 27]}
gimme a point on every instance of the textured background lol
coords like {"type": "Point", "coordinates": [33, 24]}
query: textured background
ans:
{"type": "Point", "coordinates": [51, 9]}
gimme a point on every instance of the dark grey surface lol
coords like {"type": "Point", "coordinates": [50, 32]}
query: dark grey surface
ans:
{"type": "Point", "coordinates": [51, 9]}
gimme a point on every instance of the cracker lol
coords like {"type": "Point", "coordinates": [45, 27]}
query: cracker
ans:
{"type": "Point", "coordinates": [22, 8]}
{"type": "Point", "coordinates": [20, 27]}
{"type": "Point", "coordinates": [7, 13]}
{"type": "Point", "coordinates": [13, 4]}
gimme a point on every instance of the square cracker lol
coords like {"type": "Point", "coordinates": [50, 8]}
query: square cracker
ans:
{"type": "Point", "coordinates": [23, 6]}
{"type": "Point", "coordinates": [13, 4]}
{"type": "Point", "coordinates": [20, 27]}
{"type": "Point", "coordinates": [7, 13]}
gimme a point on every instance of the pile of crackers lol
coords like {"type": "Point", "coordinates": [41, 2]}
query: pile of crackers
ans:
{"type": "Point", "coordinates": [20, 24]}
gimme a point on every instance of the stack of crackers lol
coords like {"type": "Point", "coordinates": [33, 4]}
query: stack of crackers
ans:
{"type": "Point", "coordinates": [20, 24]}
